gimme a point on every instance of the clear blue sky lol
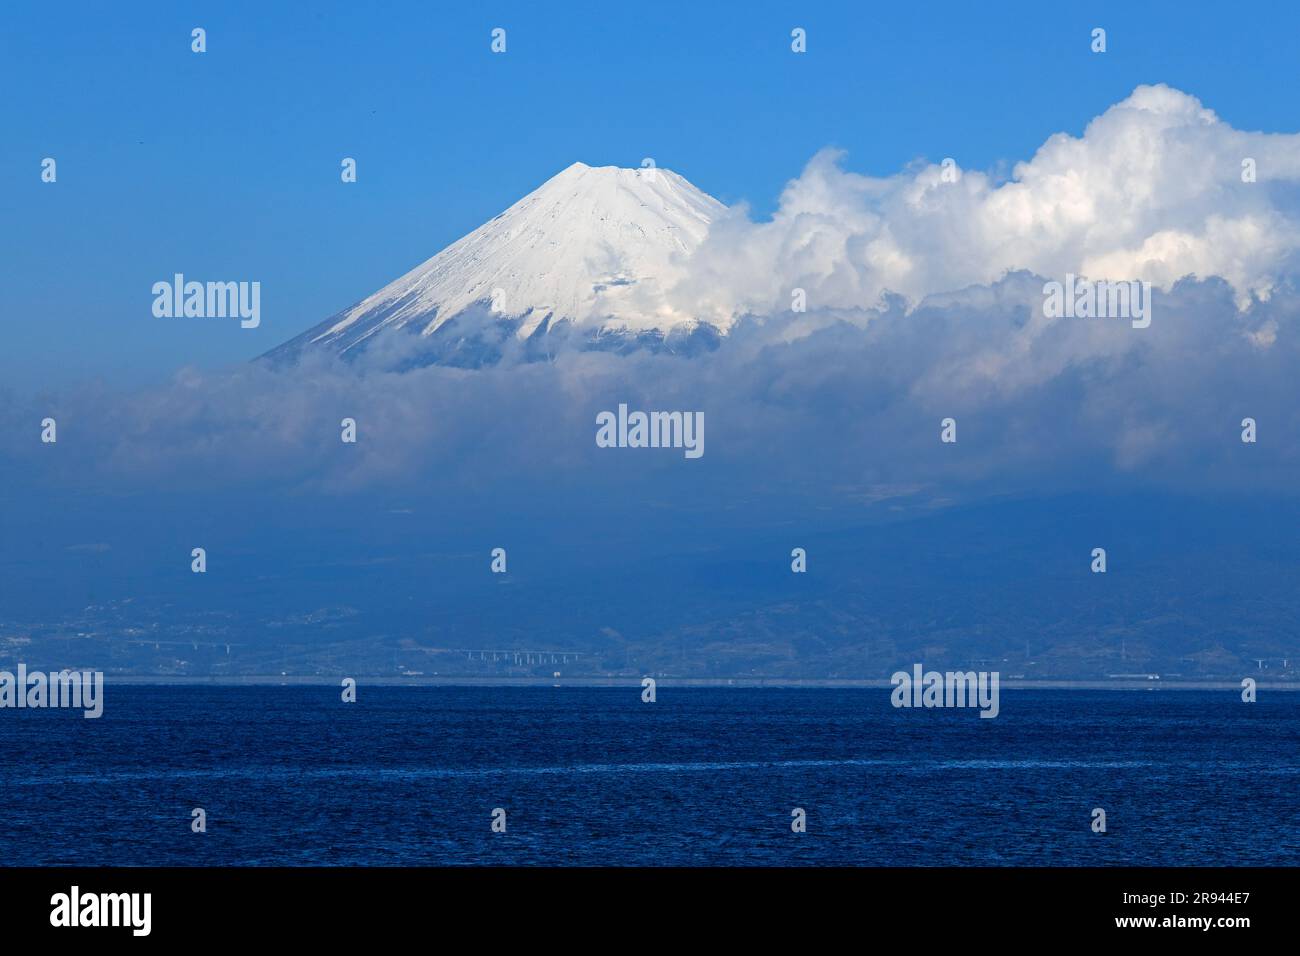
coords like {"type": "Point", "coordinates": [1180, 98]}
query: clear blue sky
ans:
{"type": "Point", "coordinates": [226, 165]}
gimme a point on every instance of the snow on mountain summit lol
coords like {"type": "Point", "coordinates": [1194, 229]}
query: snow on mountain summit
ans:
{"type": "Point", "coordinates": [591, 246]}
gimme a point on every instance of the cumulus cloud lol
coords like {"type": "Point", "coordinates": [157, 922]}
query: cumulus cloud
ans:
{"type": "Point", "coordinates": [1152, 190]}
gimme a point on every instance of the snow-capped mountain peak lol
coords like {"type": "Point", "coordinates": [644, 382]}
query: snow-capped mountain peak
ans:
{"type": "Point", "coordinates": [592, 246]}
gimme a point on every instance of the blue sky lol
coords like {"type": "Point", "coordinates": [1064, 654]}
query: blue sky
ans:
{"type": "Point", "coordinates": [226, 164]}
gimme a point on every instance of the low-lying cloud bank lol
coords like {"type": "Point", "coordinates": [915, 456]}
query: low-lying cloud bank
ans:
{"type": "Point", "coordinates": [843, 405]}
{"type": "Point", "coordinates": [924, 302]}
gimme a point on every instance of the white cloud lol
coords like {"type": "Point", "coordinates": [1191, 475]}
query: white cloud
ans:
{"type": "Point", "coordinates": [1152, 190]}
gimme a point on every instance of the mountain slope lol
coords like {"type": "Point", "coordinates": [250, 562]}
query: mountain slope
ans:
{"type": "Point", "coordinates": [592, 246]}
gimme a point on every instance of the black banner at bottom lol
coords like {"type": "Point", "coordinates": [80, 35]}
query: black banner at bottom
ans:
{"type": "Point", "coordinates": [331, 905]}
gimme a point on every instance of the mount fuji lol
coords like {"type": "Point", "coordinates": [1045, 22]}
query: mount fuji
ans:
{"type": "Point", "coordinates": [583, 259]}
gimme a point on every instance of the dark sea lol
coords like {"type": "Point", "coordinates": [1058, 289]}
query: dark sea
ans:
{"type": "Point", "coordinates": [703, 776]}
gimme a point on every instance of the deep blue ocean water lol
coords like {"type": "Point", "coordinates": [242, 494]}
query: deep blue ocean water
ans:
{"type": "Point", "coordinates": [291, 775]}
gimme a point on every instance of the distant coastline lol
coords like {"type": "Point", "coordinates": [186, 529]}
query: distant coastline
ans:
{"type": "Point", "coordinates": [826, 683]}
